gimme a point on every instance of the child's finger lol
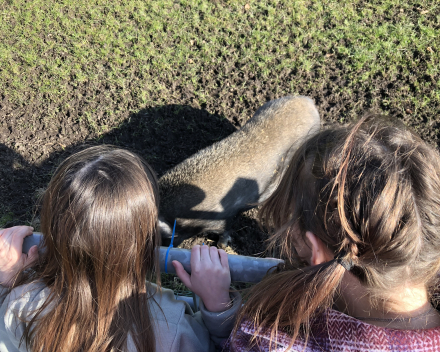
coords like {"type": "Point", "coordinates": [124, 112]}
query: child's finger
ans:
{"type": "Point", "coordinates": [18, 237]}
{"type": "Point", "coordinates": [195, 255]}
{"type": "Point", "coordinates": [224, 258]}
{"type": "Point", "coordinates": [6, 237]}
{"type": "Point", "coordinates": [182, 274]}
{"type": "Point", "coordinates": [213, 251]}
{"type": "Point", "coordinates": [204, 254]}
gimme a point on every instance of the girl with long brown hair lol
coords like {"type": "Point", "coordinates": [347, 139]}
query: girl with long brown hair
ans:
{"type": "Point", "coordinates": [91, 290]}
{"type": "Point", "coordinates": [360, 207]}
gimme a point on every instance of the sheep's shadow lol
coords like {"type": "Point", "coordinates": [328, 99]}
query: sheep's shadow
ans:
{"type": "Point", "coordinates": [200, 220]}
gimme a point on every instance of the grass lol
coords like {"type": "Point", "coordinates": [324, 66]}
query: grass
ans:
{"type": "Point", "coordinates": [5, 217]}
{"type": "Point", "coordinates": [173, 282]}
{"type": "Point", "coordinates": [99, 61]}
{"type": "Point", "coordinates": [139, 48]}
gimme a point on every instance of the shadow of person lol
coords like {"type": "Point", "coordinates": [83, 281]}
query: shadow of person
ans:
{"type": "Point", "coordinates": [163, 135]}
{"type": "Point", "coordinates": [166, 135]}
{"type": "Point", "coordinates": [22, 184]}
{"type": "Point", "coordinates": [17, 183]}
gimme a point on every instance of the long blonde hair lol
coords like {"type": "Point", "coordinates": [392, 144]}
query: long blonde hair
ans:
{"type": "Point", "coordinates": [99, 220]}
{"type": "Point", "coordinates": [371, 192]}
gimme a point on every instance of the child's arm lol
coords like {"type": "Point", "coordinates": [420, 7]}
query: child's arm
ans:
{"type": "Point", "coordinates": [210, 277]}
{"type": "Point", "coordinates": [12, 260]}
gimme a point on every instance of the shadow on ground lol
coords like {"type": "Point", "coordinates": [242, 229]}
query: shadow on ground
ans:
{"type": "Point", "coordinates": [164, 136]}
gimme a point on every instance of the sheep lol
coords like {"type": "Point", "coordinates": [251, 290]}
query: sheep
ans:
{"type": "Point", "coordinates": [205, 191]}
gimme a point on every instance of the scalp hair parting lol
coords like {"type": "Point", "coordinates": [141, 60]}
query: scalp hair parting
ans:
{"type": "Point", "coordinates": [99, 220]}
{"type": "Point", "coordinates": [371, 192]}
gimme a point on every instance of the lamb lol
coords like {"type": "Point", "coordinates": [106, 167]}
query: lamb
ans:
{"type": "Point", "coordinates": [204, 192]}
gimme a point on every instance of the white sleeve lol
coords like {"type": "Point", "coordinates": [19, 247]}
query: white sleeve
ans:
{"type": "Point", "coordinates": [14, 310]}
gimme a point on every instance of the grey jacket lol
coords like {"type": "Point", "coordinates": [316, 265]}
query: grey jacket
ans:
{"type": "Point", "coordinates": [176, 327]}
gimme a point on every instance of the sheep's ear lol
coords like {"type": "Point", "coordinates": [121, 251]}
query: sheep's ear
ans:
{"type": "Point", "coordinates": [166, 230]}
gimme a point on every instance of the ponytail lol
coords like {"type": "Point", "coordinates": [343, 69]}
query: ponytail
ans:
{"type": "Point", "coordinates": [289, 300]}
{"type": "Point", "coordinates": [370, 192]}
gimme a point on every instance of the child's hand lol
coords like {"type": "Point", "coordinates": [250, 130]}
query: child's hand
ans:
{"type": "Point", "coordinates": [210, 277]}
{"type": "Point", "coordinates": [12, 260]}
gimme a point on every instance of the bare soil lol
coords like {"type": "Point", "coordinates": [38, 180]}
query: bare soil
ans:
{"type": "Point", "coordinates": [31, 146]}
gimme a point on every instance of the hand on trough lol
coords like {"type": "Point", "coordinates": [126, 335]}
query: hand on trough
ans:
{"type": "Point", "coordinates": [210, 277]}
{"type": "Point", "coordinates": [12, 260]}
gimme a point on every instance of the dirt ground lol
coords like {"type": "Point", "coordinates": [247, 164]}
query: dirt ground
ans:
{"type": "Point", "coordinates": [30, 147]}
{"type": "Point", "coordinates": [164, 136]}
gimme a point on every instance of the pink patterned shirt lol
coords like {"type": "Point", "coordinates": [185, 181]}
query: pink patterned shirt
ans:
{"type": "Point", "coordinates": [338, 332]}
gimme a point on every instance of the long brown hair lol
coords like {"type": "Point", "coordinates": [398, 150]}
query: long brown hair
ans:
{"type": "Point", "coordinates": [369, 190]}
{"type": "Point", "coordinates": [99, 221]}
